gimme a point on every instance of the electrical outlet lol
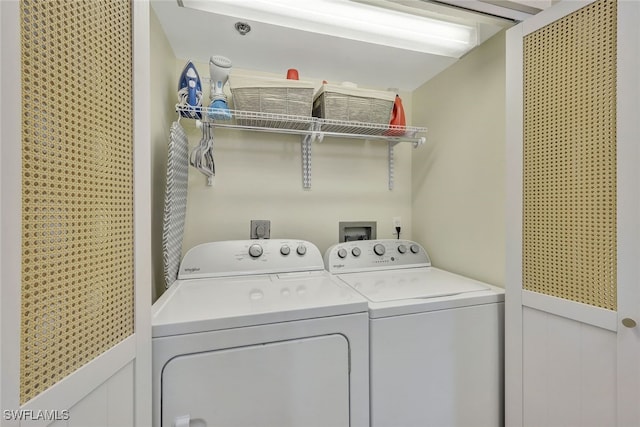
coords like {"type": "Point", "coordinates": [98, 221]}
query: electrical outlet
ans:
{"type": "Point", "coordinates": [260, 229]}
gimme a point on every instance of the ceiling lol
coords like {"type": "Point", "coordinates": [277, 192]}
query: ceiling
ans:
{"type": "Point", "coordinates": [197, 35]}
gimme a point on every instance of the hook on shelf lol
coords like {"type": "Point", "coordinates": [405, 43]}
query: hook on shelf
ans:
{"type": "Point", "coordinates": [421, 141]}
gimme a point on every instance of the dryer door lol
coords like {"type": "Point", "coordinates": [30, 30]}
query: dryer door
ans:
{"type": "Point", "coordinates": [302, 382]}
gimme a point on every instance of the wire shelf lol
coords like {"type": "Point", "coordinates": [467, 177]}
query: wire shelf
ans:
{"type": "Point", "coordinates": [303, 125]}
{"type": "Point", "coordinates": [385, 131]}
{"type": "Point", "coordinates": [310, 128]}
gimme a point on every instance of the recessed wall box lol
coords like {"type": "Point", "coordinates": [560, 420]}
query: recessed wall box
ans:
{"type": "Point", "coordinates": [260, 229]}
{"type": "Point", "coordinates": [356, 230]}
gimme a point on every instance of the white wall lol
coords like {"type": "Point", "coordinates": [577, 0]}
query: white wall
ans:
{"type": "Point", "coordinates": [458, 179]}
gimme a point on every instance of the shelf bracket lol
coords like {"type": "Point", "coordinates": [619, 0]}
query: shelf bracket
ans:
{"type": "Point", "coordinates": [391, 159]}
{"type": "Point", "coordinates": [306, 160]}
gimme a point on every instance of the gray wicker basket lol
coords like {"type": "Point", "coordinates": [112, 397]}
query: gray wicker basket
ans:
{"type": "Point", "coordinates": [353, 104]}
{"type": "Point", "coordinates": [271, 96]}
{"type": "Point", "coordinates": [290, 101]}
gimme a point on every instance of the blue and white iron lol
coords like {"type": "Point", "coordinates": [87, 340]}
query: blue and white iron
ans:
{"type": "Point", "coordinates": [219, 67]}
{"type": "Point", "coordinates": [189, 92]}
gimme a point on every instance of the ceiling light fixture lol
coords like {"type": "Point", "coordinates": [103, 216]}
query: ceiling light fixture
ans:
{"type": "Point", "coordinates": [355, 21]}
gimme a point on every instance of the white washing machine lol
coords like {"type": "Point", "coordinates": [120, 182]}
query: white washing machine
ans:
{"type": "Point", "coordinates": [436, 338]}
{"type": "Point", "coordinates": [257, 333]}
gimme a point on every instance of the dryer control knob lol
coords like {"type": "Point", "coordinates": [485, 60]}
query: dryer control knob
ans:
{"type": "Point", "coordinates": [379, 249]}
{"type": "Point", "coordinates": [415, 249]}
{"type": "Point", "coordinates": [402, 249]}
{"type": "Point", "coordinates": [356, 252]}
{"type": "Point", "coordinates": [255, 250]}
{"type": "Point", "coordinates": [285, 250]}
{"type": "Point", "coordinates": [342, 253]}
{"type": "Point", "coordinates": [302, 249]}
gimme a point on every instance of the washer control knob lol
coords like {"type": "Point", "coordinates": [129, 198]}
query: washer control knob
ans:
{"type": "Point", "coordinates": [402, 249]}
{"type": "Point", "coordinates": [378, 248]}
{"type": "Point", "coordinates": [342, 253]}
{"type": "Point", "coordinates": [356, 252]}
{"type": "Point", "coordinates": [255, 250]}
{"type": "Point", "coordinates": [415, 249]}
{"type": "Point", "coordinates": [285, 250]}
{"type": "Point", "coordinates": [302, 249]}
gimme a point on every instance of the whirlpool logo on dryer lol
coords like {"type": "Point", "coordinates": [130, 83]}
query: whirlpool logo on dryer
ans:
{"type": "Point", "coordinates": [338, 265]}
{"type": "Point", "coordinates": [191, 269]}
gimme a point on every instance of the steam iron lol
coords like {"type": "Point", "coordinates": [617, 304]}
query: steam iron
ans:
{"type": "Point", "coordinates": [219, 68]}
{"type": "Point", "coordinates": [189, 92]}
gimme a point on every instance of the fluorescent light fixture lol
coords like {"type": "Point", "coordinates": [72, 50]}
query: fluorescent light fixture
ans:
{"type": "Point", "coordinates": [355, 21]}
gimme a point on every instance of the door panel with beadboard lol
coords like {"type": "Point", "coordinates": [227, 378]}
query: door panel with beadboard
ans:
{"type": "Point", "coordinates": [71, 270]}
{"type": "Point", "coordinates": [573, 216]}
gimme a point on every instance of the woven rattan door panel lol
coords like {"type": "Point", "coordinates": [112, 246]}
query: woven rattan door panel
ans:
{"type": "Point", "coordinates": [77, 186]}
{"type": "Point", "coordinates": [569, 177]}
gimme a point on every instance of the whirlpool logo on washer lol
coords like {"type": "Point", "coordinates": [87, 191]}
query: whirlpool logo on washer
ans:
{"type": "Point", "coordinates": [191, 269]}
{"type": "Point", "coordinates": [338, 265]}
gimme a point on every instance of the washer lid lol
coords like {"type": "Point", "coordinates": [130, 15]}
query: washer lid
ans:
{"type": "Point", "coordinates": [199, 305]}
{"type": "Point", "coordinates": [414, 283]}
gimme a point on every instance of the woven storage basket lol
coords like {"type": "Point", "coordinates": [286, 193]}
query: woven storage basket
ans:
{"type": "Point", "coordinates": [271, 95]}
{"type": "Point", "coordinates": [353, 104]}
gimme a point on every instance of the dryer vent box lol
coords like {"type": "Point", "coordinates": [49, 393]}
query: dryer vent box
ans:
{"type": "Point", "coordinates": [356, 230]}
{"type": "Point", "coordinates": [260, 229]}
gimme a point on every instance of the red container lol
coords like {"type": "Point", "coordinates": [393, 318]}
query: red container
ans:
{"type": "Point", "coordinates": [292, 74]}
{"type": "Point", "coordinates": [398, 120]}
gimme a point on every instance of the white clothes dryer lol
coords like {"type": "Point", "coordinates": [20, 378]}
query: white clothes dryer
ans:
{"type": "Point", "coordinates": [436, 338]}
{"type": "Point", "coordinates": [257, 333]}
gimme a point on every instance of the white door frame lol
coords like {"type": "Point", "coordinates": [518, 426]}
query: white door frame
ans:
{"type": "Point", "coordinates": [143, 277]}
{"type": "Point", "coordinates": [628, 146]}
{"type": "Point", "coordinates": [628, 217]}
{"type": "Point", "coordinates": [10, 202]}
{"type": "Point", "coordinates": [137, 347]}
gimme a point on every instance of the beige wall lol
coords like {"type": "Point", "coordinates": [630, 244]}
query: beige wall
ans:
{"type": "Point", "coordinates": [259, 176]}
{"type": "Point", "coordinates": [458, 178]}
{"type": "Point", "coordinates": [163, 98]}
{"type": "Point", "coordinates": [449, 193]}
